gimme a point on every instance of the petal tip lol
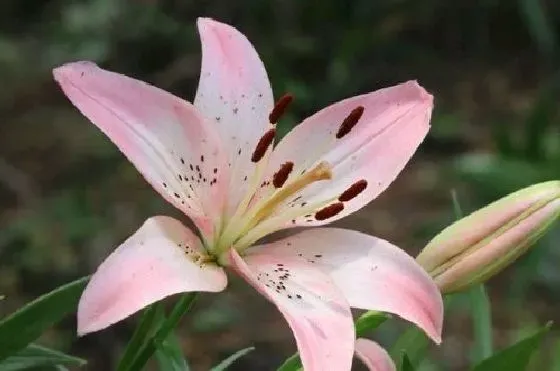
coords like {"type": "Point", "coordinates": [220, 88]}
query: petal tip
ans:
{"type": "Point", "coordinates": [435, 332]}
{"type": "Point", "coordinates": [419, 90]}
{"type": "Point", "coordinates": [210, 24]}
{"type": "Point", "coordinates": [86, 322]}
{"type": "Point", "coordinates": [203, 21]}
{"type": "Point", "coordinates": [72, 68]}
{"type": "Point", "coordinates": [84, 328]}
{"type": "Point", "coordinates": [81, 332]}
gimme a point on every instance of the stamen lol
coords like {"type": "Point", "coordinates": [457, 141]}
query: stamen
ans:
{"type": "Point", "coordinates": [329, 211]}
{"type": "Point", "coordinates": [353, 191]}
{"type": "Point", "coordinates": [320, 172]}
{"type": "Point", "coordinates": [263, 144]}
{"type": "Point", "coordinates": [280, 177]}
{"type": "Point", "coordinates": [280, 108]}
{"type": "Point", "coordinates": [350, 121]}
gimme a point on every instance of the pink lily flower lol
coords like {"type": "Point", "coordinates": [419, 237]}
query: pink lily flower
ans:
{"type": "Point", "coordinates": [373, 356]}
{"type": "Point", "coordinates": [215, 161]}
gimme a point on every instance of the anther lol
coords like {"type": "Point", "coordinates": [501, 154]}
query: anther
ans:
{"type": "Point", "coordinates": [263, 144]}
{"type": "Point", "coordinates": [350, 121]}
{"type": "Point", "coordinates": [280, 177]}
{"type": "Point", "coordinates": [329, 211]}
{"type": "Point", "coordinates": [280, 108]}
{"type": "Point", "coordinates": [353, 191]}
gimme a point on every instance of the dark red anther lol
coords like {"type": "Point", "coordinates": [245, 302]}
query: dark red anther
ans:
{"type": "Point", "coordinates": [279, 108]}
{"type": "Point", "coordinates": [354, 190]}
{"type": "Point", "coordinates": [329, 211]}
{"type": "Point", "coordinates": [350, 121]}
{"type": "Point", "coordinates": [280, 177]}
{"type": "Point", "coordinates": [263, 145]}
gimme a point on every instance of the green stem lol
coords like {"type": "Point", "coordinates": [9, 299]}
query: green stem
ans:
{"type": "Point", "coordinates": [482, 323]}
{"type": "Point", "coordinates": [148, 349]}
{"type": "Point", "coordinates": [480, 303]}
{"type": "Point", "coordinates": [139, 337]}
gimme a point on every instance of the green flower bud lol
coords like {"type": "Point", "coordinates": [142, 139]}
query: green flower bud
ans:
{"type": "Point", "coordinates": [475, 248]}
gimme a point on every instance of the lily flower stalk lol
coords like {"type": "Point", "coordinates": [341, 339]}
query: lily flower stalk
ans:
{"type": "Point", "coordinates": [477, 247]}
{"type": "Point", "coordinates": [215, 160]}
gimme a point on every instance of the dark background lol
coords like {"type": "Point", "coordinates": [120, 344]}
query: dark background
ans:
{"type": "Point", "coordinates": [68, 197]}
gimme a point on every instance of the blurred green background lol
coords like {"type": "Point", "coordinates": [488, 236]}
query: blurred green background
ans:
{"type": "Point", "coordinates": [68, 197]}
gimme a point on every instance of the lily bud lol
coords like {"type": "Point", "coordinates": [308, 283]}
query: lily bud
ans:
{"type": "Point", "coordinates": [480, 245]}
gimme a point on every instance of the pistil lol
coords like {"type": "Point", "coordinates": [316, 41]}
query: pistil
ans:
{"type": "Point", "coordinates": [241, 225]}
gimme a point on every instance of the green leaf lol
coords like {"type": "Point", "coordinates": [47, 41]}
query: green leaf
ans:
{"type": "Point", "coordinates": [539, 25]}
{"type": "Point", "coordinates": [168, 353]}
{"type": "Point", "coordinates": [143, 331]}
{"type": "Point", "coordinates": [28, 323]}
{"type": "Point", "coordinates": [414, 343]}
{"type": "Point", "coordinates": [515, 357]}
{"type": "Point", "coordinates": [167, 326]}
{"type": "Point", "coordinates": [406, 365]}
{"type": "Point", "coordinates": [37, 356]}
{"type": "Point", "coordinates": [293, 363]}
{"type": "Point", "coordinates": [229, 360]}
{"type": "Point", "coordinates": [369, 321]}
{"type": "Point", "coordinates": [170, 356]}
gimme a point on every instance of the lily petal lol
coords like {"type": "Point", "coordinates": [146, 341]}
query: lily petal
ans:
{"type": "Point", "coordinates": [162, 135]}
{"type": "Point", "coordinates": [372, 273]}
{"type": "Point", "coordinates": [392, 125]}
{"type": "Point", "coordinates": [235, 93]}
{"type": "Point", "coordinates": [317, 313]}
{"type": "Point", "coordinates": [374, 356]}
{"type": "Point", "coordinates": [162, 258]}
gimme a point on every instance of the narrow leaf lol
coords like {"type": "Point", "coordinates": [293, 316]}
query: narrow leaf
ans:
{"type": "Point", "coordinates": [539, 25]}
{"type": "Point", "coordinates": [28, 323]}
{"type": "Point", "coordinates": [229, 360]}
{"type": "Point", "coordinates": [414, 343]}
{"type": "Point", "coordinates": [149, 348]}
{"type": "Point", "coordinates": [38, 356]}
{"type": "Point", "coordinates": [168, 353]}
{"type": "Point", "coordinates": [170, 356]}
{"type": "Point", "coordinates": [515, 357]}
{"type": "Point", "coordinates": [141, 335]}
{"type": "Point", "coordinates": [369, 321]}
{"type": "Point", "coordinates": [406, 365]}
